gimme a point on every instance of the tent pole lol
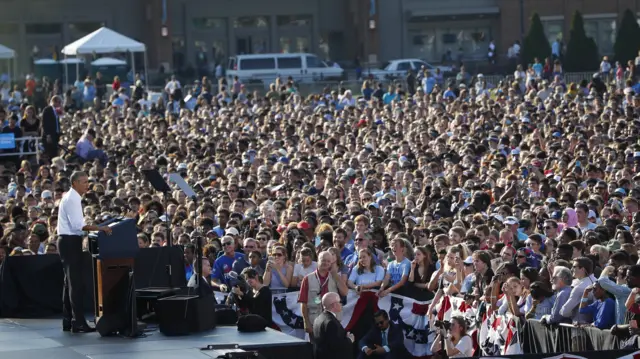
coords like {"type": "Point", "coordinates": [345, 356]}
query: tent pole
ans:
{"type": "Point", "coordinates": [146, 77]}
{"type": "Point", "coordinates": [77, 70]}
{"type": "Point", "coordinates": [66, 73]}
{"type": "Point", "coordinates": [133, 67]}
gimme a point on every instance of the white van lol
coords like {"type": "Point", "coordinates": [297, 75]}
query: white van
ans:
{"type": "Point", "coordinates": [265, 68]}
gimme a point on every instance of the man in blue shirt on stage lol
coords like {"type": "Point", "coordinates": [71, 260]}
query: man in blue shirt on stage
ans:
{"type": "Point", "coordinates": [224, 263]}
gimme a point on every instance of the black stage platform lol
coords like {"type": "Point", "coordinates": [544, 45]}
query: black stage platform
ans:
{"type": "Point", "coordinates": [44, 338]}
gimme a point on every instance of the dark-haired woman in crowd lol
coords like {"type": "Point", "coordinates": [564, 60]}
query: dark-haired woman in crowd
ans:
{"type": "Point", "coordinates": [258, 299]}
{"type": "Point", "coordinates": [422, 267]}
{"type": "Point", "coordinates": [542, 299]}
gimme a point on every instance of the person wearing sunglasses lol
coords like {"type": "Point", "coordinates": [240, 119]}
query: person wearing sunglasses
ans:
{"type": "Point", "coordinates": [224, 264]}
{"type": "Point", "coordinates": [384, 340]}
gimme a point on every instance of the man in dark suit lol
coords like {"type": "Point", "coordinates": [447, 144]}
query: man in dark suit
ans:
{"type": "Point", "coordinates": [205, 287]}
{"type": "Point", "coordinates": [331, 340]}
{"type": "Point", "coordinates": [386, 340]}
{"type": "Point", "coordinates": [51, 127]}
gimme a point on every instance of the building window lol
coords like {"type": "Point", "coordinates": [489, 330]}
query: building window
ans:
{"type": "Point", "coordinates": [78, 30]}
{"type": "Point", "coordinates": [43, 29]}
{"type": "Point", "coordinates": [8, 29]}
{"type": "Point", "coordinates": [467, 43]}
{"type": "Point", "coordinates": [204, 23]}
{"type": "Point", "coordinates": [86, 27]}
{"type": "Point", "coordinates": [294, 44]}
{"type": "Point", "coordinates": [294, 20]}
{"type": "Point", "coordinates": [219, 51]}
{"type": "Point", "coordinates": [603, 31]}
{"type": "Point", "coordinates": [324, 50]}
{"type": "Point", "coordinates": [553, 29]}
{"type": "Point", "coordinates": [424, 44]}
{"type": "Point", "coordinates": [250, 21]}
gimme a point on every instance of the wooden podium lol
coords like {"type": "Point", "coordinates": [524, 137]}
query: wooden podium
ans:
{"type": "Point", "coordinates": [113, 262]}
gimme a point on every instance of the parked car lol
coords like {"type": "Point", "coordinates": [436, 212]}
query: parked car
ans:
{"type": "Point", "coordinates": [393, 69]}
{"type": "Point", "coordinates": [265, 68]}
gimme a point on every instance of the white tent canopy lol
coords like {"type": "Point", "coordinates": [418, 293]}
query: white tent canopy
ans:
{"type": "Point", "coordinates": [10, 56]}
{"type": "Point", "coordinates": [105, 40]}
{"type": "Point", "coordinates": [6, 53]}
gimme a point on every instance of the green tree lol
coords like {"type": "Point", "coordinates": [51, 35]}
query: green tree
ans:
{"type": "Point", "coordinates": [536, 43]}
{"type": "Point", "coordinates": [628, 38]}
{"type": "Point", "coordinates": [582, 51]}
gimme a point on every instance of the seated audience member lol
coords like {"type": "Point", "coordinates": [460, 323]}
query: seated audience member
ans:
{"type": "Point", "coordinates": [385, 340]}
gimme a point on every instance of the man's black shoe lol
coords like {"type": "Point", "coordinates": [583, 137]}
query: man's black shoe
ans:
{"type": "Point", "coordinates": [84, 328]}
{"type": "Point", "coordinates": [66, 325]}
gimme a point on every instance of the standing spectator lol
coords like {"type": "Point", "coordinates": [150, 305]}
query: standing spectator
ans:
{"type": "Point", "coordinates": [224, 264]}
{"type": "Point", "coordinates": [278, 273]}
{"type": "Point", "coordinates": [602, 310]}
{"type": "Point", "coordinates": [314, 287]}
{"type": "Point", "coordinates": [305, 267]}
{"type": "Point", "coordinates": [116, 84]}
{"type": "Point", "coordinates": [561, 280]}
{"type": "Point", "coordinates": [397, 270]}
{"type": "Point", "coordinates": [367, 274]}
{"type": "Point", "coordinates": [100, 87]}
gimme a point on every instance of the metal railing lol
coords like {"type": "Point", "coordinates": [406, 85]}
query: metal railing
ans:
{"type": "Point", "coordinates": [565, 338]}
{"type": "Point", "coordinates": [25, 146]}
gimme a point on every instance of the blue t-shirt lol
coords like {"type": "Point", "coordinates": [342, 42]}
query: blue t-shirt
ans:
{"type": "Point", "coordinates": [345, 253]}
{"type": "Point", "coordinates": [222, 266]}
{"type": "Point", "coordinates": [537, 67]}
{"type": "Point", "coordinates": [449, 94]}
{"type": "Point", "coordinates": [389, 97]}
{"type": "Point", "coordinates": [398, 270]}
{"type": "Point", "coordinates": [367, 277]}
{"type": "Point", "coordinates": [428, 83]}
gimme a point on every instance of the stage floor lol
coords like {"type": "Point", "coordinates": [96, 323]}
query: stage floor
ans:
{"type": "Point", "coordinates": [44, 338]}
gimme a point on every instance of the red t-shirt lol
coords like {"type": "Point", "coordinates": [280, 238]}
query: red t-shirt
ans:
{"type": "Point", "coordinates": [303, 295]}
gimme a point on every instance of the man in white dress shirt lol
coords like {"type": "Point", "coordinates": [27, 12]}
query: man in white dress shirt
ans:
{"type": "Point", "coordinates": [71, 228]}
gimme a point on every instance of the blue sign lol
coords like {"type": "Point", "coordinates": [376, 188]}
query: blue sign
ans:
{"type": "Point", "coordinates": [7, 141]}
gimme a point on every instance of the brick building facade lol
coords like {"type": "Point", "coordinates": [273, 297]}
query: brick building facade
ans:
{"type": "Point", "coordinates": [204, 32]}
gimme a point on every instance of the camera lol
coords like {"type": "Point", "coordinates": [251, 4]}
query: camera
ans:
{"type": "Point", "coordinates": [236, 280]}
{"type": "Point", "coordinates": [443, 324]}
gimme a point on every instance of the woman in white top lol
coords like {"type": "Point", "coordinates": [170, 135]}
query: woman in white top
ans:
{"type": "Point", "coordinates": [366, 275]}
{"type": "Point", "coordinates": [457, 343]}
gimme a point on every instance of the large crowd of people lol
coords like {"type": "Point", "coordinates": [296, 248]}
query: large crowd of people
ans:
{"type": "Point", "coordinates": [521, 197]}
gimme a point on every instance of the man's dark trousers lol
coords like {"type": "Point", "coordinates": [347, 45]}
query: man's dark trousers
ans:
{"type": "Point", "coordinates": [70, 248]}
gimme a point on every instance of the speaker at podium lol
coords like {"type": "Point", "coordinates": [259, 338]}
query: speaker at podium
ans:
{"type": "Point", "coordinates": [113, 262]}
